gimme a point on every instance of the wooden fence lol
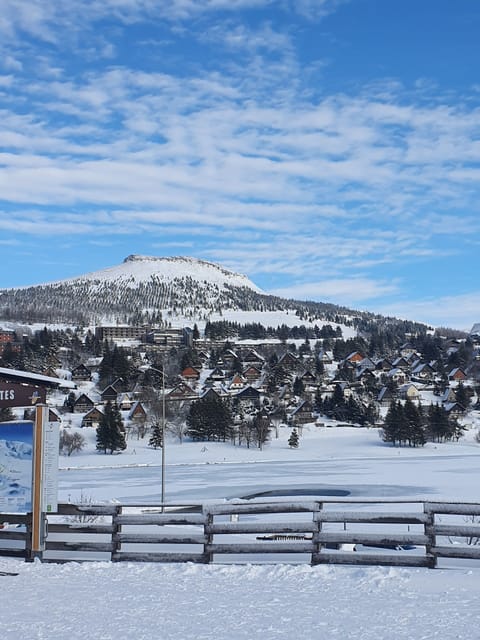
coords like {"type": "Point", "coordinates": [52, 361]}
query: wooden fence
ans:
{"type": "Point", "coordinates": [330, 531]}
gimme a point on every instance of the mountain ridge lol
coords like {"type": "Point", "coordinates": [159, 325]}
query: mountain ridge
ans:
{"type": "Point", "coordinates": [151, 290]}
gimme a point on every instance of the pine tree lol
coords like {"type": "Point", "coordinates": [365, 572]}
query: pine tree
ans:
{"type": "Point", "coordinates": [414, 422]}
{"type": "Point", "coordinates": [209, 418]}
{"type": "Point", "coordinates": [293, 440]}
{"type": "Point", "coordinates": [156, 439]}
{"type": "Point", "coordinates": [393, 428]}
{"type": "Point", "coordinates": [298, 386]}
{"type": "Point", "coordinates": [110, 433]}
{"type": "Point", "coordinates": [461, 395]}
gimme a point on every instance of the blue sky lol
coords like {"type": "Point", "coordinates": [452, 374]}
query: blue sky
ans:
{"type": "Point", "coordinates": [328, 149]}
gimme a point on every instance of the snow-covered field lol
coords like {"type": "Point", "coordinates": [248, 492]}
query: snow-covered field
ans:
{"type": "Point", "coordinates": [101, 600]}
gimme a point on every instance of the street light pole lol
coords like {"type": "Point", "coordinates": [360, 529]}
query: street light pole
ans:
{"type": "Point", "coordinates": [163, 437]}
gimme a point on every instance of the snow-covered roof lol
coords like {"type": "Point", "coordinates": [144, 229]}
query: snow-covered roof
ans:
{"type": "Point", "coordinates": [35, 378]}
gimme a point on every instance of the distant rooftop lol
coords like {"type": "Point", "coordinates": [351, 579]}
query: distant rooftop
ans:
{"type": "Point", "coordinates": [35, 378]}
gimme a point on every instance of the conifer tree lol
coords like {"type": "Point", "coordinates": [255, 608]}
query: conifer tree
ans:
{"type": "Point", "coordinates": [293, 440]}
{"type": "Point", "coordinates": [209, 418]}
{"type": "Point", "coordinates": [110, 432]}
{"type": "Point", "coordinates": [156, 439]}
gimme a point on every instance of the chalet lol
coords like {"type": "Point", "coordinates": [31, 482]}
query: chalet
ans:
{"type": "Point", "coordinates": [53, 416]}
{"type": "Point", "coordinates": [217, 393]}
{"type": "Point", "coordinates": [92, 418]}
{"type": "Point", "coordinates": [408, 391]}
{"type": "Point", "coordinates": [355, 357]}
{"type": "Point", "coordinates": [325, 357]}
{"type": "Point", "coordinates": [289, 361]}
{"type": "Point", "coordinates": [308, 378]}
{"type": "Point", "coordinates": [137, 413]}
{"type": "Point", "coordinates": [302, 414]}
{"type": "Point", "coordinates": [217, 375]}
{"type": "Point", "coordinates": [191, 374]}
{"type": "Point", "coordinates": [252, 374]}
{"type": "Point", "coordinates": [248, 397]}
{"type": "Point", "coordinates": [457, 374]}
{"type": "Point", "coordinates": [385, 397]}
{"type": "Point", "coordinates": [251, 357]}
{"type": "Point", "coordinates": [181, 391]}
{"type": "Point", "coordinates": [366, 377]}
{"type": "Point", "coordinates": [51, 372]}
{"type": "Point", "coordinates": [454, 409]}
{"type": "Point", "coordinates": [7, 336]}
{"type": "Point", "coordinates": [407, 349]}
{"type": "Point", "coordinates": [367, 363]}
{"type": "Point", "coordinates": [401, 363]}
{"type": "Point", "coordinates": [81, 372]}
{"type": "Point", "coordinates": [397, 375]}
{"type": "Point", "coordinates": [109, 393]}
{"type": "Point", "coordinates": [448, 396]}
{"type": "Point", "coordinates": [83, 404]}
{"type": "Point", "coordinates": [423, 371]}
{"type": "Point", "coordinates": [383, 364]}
{"type": "Point", "coordinates": [237, 382]}
{"type": "Point", "coordinates": [229, 357]}
{"type": "Point", "coordinates": [125, 401]}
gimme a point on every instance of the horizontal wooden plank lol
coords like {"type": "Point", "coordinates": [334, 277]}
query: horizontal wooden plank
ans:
{"type": "Point", "coordinates": [452, 508]}
{"type": "Point", "coordinates": [401, 559]}
{"type": "Point", "coordinates": [160, 519]}
{"type": "Point", "coordinates": [280, 507]}
{"type": "Point", "coordinates": [260, 527]}
{"type": "Point", "coordinates": [15, 518]}
{"type": "Point", "coordinates": [261, 547]}
{"type": "Point", "coordinates": [159, 557]}
{"type": "Point", "coordinates": [93, 528]}
{"type": "Point", "coordinates": [12, 534]}
{"type": "Point", "coordinates": [374, 517]}
{"type": "Point", "coordinates": [457, 551]}
{"type": "Point", "coordinates": [54, 545]}
{"type": "Point", "coordinates": [468, 531]}
{"type": "Point", "coordinates": [86, 510]}
{"type": "Point", "coordinates": [379, 539]}
{"type": "Point", "coordinates": [140, 538]}
{"type": "Point", "coordinates": [13, 553]}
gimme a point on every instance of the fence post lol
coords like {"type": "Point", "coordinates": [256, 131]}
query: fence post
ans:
{"type": "Point", "coordinates": [207, 532]}
{"type": "Point", "coordinates": [316, 534]}
{"type": "Point", "coordinates": [116, 529]}
{"type": "Point", "coordinates": [429, 529]}
{"type": "Point", "coordinates": [28, 538]}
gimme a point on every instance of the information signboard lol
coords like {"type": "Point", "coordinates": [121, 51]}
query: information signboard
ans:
{"type": "Point", "coordinates": [50, 467]}
{"type": "Point", "coordinates": [16, 459]}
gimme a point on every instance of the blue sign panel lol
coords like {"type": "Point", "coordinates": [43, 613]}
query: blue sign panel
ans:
{"type": "Point", "coordinates": [16, 460]}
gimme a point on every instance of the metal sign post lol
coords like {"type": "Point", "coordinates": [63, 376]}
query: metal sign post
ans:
{"type": "Point", "coordinates": [45, 469]}
{"type": "Point", "coordinates": [38, 518]}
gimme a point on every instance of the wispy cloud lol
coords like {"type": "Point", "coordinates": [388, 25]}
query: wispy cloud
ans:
{"type": "Point", "coordinates": [241, 159]}
{"type": "Point", "coordinates": [339, 291]}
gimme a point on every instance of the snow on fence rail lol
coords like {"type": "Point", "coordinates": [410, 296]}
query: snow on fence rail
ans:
{"type": "Point", "coordinates": [368, 532]}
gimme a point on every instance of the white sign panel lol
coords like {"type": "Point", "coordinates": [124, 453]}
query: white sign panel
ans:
{"type": "Point", "coordinates": [50, 467]}
{"type": "Point", "coordinates": [16, 466]}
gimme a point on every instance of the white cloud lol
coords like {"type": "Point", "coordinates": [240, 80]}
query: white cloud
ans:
{"type": "Point", "coordinates": [458, 311]}
{"type": "Point", "coordinates": [346, 291]}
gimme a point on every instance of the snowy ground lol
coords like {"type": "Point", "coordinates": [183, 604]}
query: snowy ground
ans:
{"type": "Point", "coordinates": [106, 601]}
{"type": "Point", "coordinates": [183, 602]}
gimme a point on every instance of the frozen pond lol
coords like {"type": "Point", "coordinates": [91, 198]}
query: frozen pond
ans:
{"type": "Point", "coordinates": [444, 476]}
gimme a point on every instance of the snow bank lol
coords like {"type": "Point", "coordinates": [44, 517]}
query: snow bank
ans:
{"type": "Point", "coordinates": [183, 602]}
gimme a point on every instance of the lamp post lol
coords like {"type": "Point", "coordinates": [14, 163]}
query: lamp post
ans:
{"type": "Point", "coordinates": [163, 437]}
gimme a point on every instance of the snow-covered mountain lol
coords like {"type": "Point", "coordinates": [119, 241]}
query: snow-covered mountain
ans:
{"type": "Point", "coordinates": [136, 270]}
{"type": "Point", "coordinates": [146, 289]}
